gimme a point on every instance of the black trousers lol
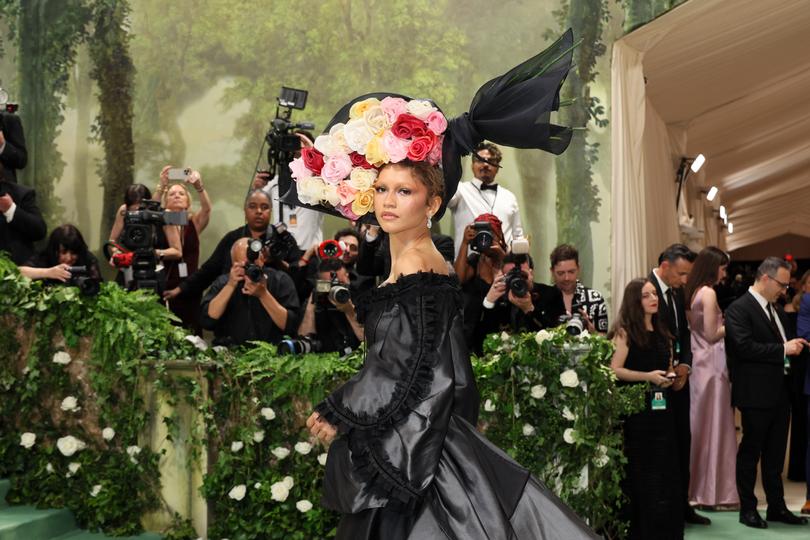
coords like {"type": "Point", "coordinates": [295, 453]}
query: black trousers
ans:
{"type": "Point", "coordinates": [683, 439]}
{"type": "Point", "coordinates": [764, 436]}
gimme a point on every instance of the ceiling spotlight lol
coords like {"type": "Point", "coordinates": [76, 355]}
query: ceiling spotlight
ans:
{"type": "Point", "coordinates": [711, 194]}
{"type": "Point", "coordinates": [723, 214]}
{"type": "Point", "coordinates": [730, 227]}
{"type": "Point", "coordinates": [697, 163]}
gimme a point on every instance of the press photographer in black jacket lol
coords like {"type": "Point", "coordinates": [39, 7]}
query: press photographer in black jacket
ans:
{"type": "Point", "coordinates": [13, 154]}
{"type": "Point", "coordinates": [21, 222]}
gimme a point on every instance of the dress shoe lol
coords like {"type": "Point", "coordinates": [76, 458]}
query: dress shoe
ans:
{"type": "Point", "coordinates": [806, 507]}
{"type": "Point", "coordinates": [751, 518]}
{"type": "Point", "coordinates": [786, 516]}
{"type": "Point", "coordinates": [690, 516]}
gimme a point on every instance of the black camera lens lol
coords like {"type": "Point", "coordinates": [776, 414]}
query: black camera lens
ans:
{"type": "Point", "coordinates": [339, 294]}
{"type": "Point", "coordinates": [482, 241]}
{"type": "Point", "coordinates": [254, 273]}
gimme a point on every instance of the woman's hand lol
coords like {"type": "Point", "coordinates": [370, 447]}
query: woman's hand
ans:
{"type": "Point", "coordinates": [497, 289]}
{"type": "Point", "coordinates": [659, 378]}
{"type": "Point", "coordinates": [320, 428]}
{"type": "Point", "coordinates": [195, 180]}
{"type": "Point", "coordinates": [59, 272]}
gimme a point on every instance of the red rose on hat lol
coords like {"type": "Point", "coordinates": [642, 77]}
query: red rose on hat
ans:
{"type": "Point", "coordinates": [313, 160]}
{"type": "Point", "coordinates": [408, 126]}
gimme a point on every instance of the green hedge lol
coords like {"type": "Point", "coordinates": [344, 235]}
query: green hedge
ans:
{"type": "Point", "coordinates": [548, 399]}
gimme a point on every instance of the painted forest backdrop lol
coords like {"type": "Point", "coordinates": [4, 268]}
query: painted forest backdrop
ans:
{"type": "Point", "coordinates": [111, 90]}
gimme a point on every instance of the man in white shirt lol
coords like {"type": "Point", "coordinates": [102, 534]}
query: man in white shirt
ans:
{"type": "Point", "coordinates": [482, 195]}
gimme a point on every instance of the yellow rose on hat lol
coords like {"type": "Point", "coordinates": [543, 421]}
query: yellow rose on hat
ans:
{"type": "Point", "coordinates": [363, 203]}
{"type": "Point", "coordinates": [361, 107]}
{"type": "Point", "coordinates": [375, 152]}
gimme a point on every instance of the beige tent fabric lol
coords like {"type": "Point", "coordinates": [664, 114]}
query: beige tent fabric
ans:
{"type": "Point", "coordinates": [726, 78]}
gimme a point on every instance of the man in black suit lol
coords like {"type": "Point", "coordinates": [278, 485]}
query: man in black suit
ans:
{"type": "Point", "coordinates": [674, 265]}
{"type": "Point", "coordinates": [13, 155]}
{"type": "Point", "coordinates": [759, 343]}
{"type": "Point", "coordinates": [21, 222]}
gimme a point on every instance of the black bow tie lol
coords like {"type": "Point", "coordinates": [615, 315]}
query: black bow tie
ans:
{"type": "Point", "coordinates": [493, 187]}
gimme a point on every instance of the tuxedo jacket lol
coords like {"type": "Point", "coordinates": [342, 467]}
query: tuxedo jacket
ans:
{"type": "Point", "coordinates": [26, 227]}
{"type": "Point", "coordinates": [755, 354]}
{"type": "Point", "coordinates": [14, 155]}
{"type": "Point", "coordinates": [680, 331]}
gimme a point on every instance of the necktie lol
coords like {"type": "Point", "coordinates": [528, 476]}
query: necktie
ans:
{"type": "Point", "coordinates": [674, 312]}
{"type": "Point", "coordinates": [493, 187]}
{"type": "Point", "coordinates": [772, 317]}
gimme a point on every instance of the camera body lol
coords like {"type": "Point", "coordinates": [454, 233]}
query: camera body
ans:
{"type": "Point", "coordinates": [253, 271]}
{"type": "Point", "coordinates": [329, 291]}
{"type": "Point", "coordinates": [139, 235]}
{"type": "Point", "coordinates": [87, 284]}
{"type": "Point", "coordinates": [574, 324]}
{"type": "Point", "coordinates": [484, 238]}
{"type": "Point", "coordinates": [517, 281]}
{"type": "Point", "coordinates": [282, 143]}
{"type": "Point", "coordinates": [280, 242]}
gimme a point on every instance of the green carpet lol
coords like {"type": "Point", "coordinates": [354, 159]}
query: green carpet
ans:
{"type": "Point", "coordinates": [726, 526]}
{"type": "Point", "coordinates": [29, 523]}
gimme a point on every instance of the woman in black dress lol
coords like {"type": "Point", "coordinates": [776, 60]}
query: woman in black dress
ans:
{"type": "Point", "coordinates": [405, 459]}
{"type": "Point", "coordinates": [642, 356]}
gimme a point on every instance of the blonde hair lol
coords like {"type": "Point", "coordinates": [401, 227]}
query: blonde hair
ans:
{"type": "Point", "coordinates": [165, 199]}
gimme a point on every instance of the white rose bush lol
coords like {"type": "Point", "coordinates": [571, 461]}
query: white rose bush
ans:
{"type": "Point", "coordinates": [570, 408]}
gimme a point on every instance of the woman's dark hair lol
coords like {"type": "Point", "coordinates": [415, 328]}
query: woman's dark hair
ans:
{"type": "Point", "coordinates": [704, 271]}
{"type": "Point", "coordinates": [68, 237]}
{"type": "Point", "coordinates": [631, 316]}
{"type": "Point", "coordinates": [135, 194]}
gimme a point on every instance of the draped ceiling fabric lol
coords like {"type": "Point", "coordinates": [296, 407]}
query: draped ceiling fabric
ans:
{"type": "Point", "coordinates": [726, 78]}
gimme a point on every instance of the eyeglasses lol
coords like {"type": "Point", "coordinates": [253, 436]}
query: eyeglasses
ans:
{"type": "Point", "coordinates": [782, 285]}
{"type": "Point", "coordinates": [494, 162]}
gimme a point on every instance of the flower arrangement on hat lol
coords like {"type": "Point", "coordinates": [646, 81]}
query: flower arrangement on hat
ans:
{"type": "Point", "coordinates": [341, 169]}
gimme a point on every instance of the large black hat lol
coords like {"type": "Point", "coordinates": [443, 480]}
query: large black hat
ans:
{"type": "Point", "coordinates": [513, 109]}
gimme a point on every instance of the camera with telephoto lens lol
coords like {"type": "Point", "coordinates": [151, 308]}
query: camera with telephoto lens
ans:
{"type": "Point", "coordinates": [87, 284]}
{"type": "Point", "coordinates": [252, 270]}
{"type": "Point", "coordinates": [303, 345]}
{"type": "Point", "coordinates": [483, 238]}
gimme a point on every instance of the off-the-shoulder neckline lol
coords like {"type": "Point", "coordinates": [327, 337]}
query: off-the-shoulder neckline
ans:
{"type": "Point", "coordinates": [417, 276]}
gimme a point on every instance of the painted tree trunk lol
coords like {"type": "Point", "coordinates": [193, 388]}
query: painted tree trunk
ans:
{"type": "Point", "coordinates": [83, 88]}
{"type": "Point", "coordinates": [113, 72]}
{"type": "Point", "coordinates": [577, 197]}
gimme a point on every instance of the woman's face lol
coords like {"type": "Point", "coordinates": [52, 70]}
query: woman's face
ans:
{"type": "Point", "coordinates": [400, 201]}
{"type": "Point", "coordinates": [177, 199]}
{"type": "Point", "coordinates": [67, 257]}
{"type": "Point", "coordinates": [649, 299]}
{"type": "Point", "coordinates": [806, 287]}
{"type": "Point", "coordinates": [721, 273]}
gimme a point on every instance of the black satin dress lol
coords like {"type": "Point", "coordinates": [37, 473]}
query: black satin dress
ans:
{"type": "Point", "coordinates": [408, 461]}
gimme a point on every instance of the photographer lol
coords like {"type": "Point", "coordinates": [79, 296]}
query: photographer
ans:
{"type": "Point", "coordinates": [515, 303]}
{"type": "Point", "coordinates": [579, 299]}
{"type": "Point", "coordinates": [21, 222]}
{"type": "Point", "coordinates": [250, 302]}
{"type": "Point", "coordinates": [13, 155]}
{"type": "Point", "coordinates": [66, 259]}
{"type": "Point", "coordinates": [481, 251]}
{"type": "Point", "coordinates": [257, 224]}
{"type": "Point", "coordinates": [167, 242]}
{"type": "Point", "coordinates": [329, 322]}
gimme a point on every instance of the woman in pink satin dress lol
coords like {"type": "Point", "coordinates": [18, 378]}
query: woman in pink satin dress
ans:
{"type": "Point", "coordinates": [714, 442]}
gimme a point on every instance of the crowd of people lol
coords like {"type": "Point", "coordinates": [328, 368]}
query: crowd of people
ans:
{"type": "Point", "coordinates": [697, 363]}
{"type": "Point", "coordinates": [698, 351]}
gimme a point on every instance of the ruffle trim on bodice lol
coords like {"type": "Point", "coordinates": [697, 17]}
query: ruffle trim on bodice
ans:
{"type": "Point", "coordinates": [365, 430]}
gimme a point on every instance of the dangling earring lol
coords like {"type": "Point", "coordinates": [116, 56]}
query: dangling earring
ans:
{"type": "Point", "coordinates": [429, 223]}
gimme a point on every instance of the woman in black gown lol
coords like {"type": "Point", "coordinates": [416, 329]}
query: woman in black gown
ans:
{"type": "Point", "coordinates": [642, 356]}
